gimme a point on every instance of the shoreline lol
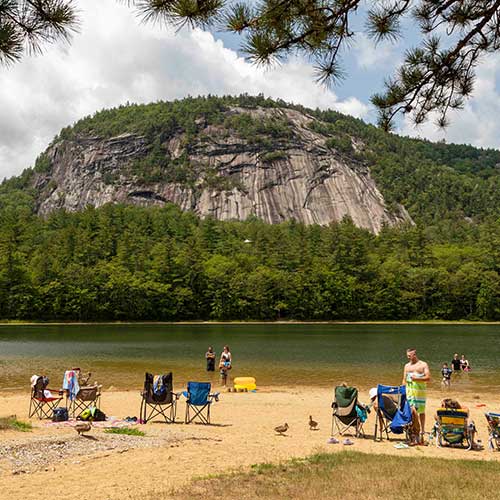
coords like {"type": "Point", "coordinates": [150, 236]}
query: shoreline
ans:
{"type": "Point", "coordinates": [248, 322]}
{"type": "Point", "coordinates": [240, 421]}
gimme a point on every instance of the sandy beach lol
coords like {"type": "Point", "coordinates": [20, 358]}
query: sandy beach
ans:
{"type": "Point", "coordinates": [170, 455]}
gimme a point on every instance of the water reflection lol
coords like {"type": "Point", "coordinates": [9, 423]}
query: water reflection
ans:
{"type": "Point", "coordinates": [322, 355]}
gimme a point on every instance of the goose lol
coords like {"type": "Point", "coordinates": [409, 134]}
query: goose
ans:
{"type": "Point", "coordinates": [281, 429]}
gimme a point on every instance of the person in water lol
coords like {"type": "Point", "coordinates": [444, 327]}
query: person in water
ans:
{"type": "Point", "coordinates": [225, 364]}
{"type": "Point", "coordinates": [416, 374]}
{"type": "Point", "coordinates": [464, 364]}
{"type": "Point", "coordinates": [455, 363]}
{"type": "Point", "coordinates": [210, 357]}
{"type": "Point", "coordinates": [446, 372]}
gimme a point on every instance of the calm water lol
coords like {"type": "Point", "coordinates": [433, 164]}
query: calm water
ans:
{"type": "Point", "coordinates": [325, 355]}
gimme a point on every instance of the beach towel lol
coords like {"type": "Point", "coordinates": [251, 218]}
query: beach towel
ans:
{"type": "Point", "coordinates": [401, 419]}
{"type": "Point", "coordinates": [70, 384]}
{"type": "Point", "coordinates": [416, 394]}
{"type": "Point", "coordinates": [159, 388]}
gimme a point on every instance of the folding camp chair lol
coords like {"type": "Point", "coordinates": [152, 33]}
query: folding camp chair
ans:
{"type": "Point", "coordinates": [453, 429]}
{"type": "Point", "coordinates": [393, 412]}
{"type": "Point", "coordinates": [158, 398]}
{"type": "Point", "coordinates": [494, 430]}
{"type": "Point", "coordinates": [86, 398]}
{"type": "Point", "coordinates": [198, 400]}
{"type": "Point", "coordinates": [41, 405]}
{"type": "Point", "coordinates": [347, 412]}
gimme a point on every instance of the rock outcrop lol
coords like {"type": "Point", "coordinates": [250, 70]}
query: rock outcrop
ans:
{"type": "Point", "coordinates": [297, 177]}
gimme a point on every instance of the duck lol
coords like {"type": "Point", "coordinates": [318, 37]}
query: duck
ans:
{"type": "Point", "coordinates": [313, 426]}
{"type": "Point", "coordinates": [82, 427]}
{"type": "Point", "coordinates": [281, 429]}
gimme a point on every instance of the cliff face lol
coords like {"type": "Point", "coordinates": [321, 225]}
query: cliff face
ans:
{"type": "Point", "coordinates": [228, 176]}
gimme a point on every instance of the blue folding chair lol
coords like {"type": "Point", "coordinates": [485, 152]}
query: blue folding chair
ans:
{"type": "Point", "coordinates": [393, 411]}
{"type": "Point", "coordinates": [198, 402]}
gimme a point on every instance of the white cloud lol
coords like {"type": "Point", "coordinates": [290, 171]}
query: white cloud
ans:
{"type": "Point", "coordinates": [477, 124]}
{"type": "Point", "coordinates": [116, 59]}
{"type": "Point", "coordinates": [371, 55]}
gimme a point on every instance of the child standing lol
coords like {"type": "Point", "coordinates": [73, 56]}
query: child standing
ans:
{"type": "Point", "coordinates": [446, 373]}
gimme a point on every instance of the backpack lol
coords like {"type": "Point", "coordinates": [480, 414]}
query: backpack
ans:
{"type": "Point", "coordinates": [60, 414]}
{"type": "Point", "coordinates": [92, 414]}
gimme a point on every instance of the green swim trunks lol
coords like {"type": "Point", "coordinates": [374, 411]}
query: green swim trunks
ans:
{"type": "Point", "coordinates": [416, 394]}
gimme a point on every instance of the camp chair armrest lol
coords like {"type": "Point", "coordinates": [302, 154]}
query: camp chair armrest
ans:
{"type": "Point", "coordinates": [214, 396]}
{"type": "Point", "coordinates": [59, 392]}
{"type": "Point", "coordinates": [176, 395]}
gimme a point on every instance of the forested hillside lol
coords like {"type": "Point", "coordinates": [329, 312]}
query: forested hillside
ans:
{"type": "Point", "coordinates": [432, 181]}
{"type": "Point", "coordinates": [130, 263]}
{"type": "Point", "coordinates": [123, 262]}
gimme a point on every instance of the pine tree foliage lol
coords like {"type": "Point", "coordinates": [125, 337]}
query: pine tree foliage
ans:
{"type": "Point", "coordinates": [27, 25]}
{"type": "Point", "coordinates": [435, 77]}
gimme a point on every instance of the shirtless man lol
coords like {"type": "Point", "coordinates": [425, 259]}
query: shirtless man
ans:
{"type": "Point", "coordinates": [416, 374]}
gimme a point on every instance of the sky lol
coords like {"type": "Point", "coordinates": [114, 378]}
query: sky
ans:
{"type": "Point", "coordinates": [115, 59]}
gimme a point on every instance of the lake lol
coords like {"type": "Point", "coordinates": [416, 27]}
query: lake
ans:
{"type": "Point", "coordinates": [276, 354]}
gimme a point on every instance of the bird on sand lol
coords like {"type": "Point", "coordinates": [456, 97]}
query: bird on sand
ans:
{"type": "Point", "coordinates": [82, 427]}
{"type": "Point", "coordinates": [281, 429]}
{"type": "Point", "coordinates": [313, 426]}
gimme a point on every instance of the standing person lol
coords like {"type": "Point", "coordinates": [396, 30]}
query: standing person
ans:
{"type": "Point", "coordinates": [210, 357]}
{"type": "Point", "coordinates": [225, 364]}
{"type": "Point", "coordinates": [446, 373]}
{"type": "Point", "coordinates": [464, 364]}
{"type": "Point", "coordinates": [455, 363]}
{"type": "Point", "coordinates": [416, 374]}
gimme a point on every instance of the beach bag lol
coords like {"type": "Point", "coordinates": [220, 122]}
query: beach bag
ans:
{"type": "Point", "coordinates": [60, 414]}
{"type": "Point", "coordinates": [92, 414]}
{"type": "Point", "coordinates": [99, 416]}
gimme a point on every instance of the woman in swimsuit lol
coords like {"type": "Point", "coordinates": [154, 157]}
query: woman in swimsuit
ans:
{"type": "Point", "coordinates": [225, 364]}
{"type": "Point", "coordinates": [464, 364]}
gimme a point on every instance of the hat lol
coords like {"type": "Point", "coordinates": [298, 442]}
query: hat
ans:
{"type": "Point", "coordinates": [373, 392]}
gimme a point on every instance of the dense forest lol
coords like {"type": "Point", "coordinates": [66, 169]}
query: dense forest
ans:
{"type": "Point", "coordinates": [129, 263]}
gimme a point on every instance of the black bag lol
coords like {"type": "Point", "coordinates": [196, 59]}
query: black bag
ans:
{"type": "Point", "coordinates": [99, 416]}
{"type": "Point", "coordinates": [60, 414]}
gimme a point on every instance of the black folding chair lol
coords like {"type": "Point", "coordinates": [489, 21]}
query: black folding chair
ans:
{"type": "Point", "coordinates": [40, 405]}
{"type": "Point", "coordinates": [158, 399]}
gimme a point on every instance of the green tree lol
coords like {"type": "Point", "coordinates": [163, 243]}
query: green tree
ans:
{"type": "Point", "coordinates": [26, 25]}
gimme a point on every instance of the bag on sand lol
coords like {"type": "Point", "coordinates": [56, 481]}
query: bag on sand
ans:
{"type": "Point", "coordinates": [92, 414]}
{"type": "Point", "coordinates": [60, 414]}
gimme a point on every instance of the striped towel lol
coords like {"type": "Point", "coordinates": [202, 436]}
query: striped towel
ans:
{"type": "Point", "coordinates": [416, 394]}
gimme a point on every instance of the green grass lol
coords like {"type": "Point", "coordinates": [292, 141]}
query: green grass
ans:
{"type": "Point", "coordinates": [14, 424]}
{"type": "Point", "coordinates": [126, 431]}
{"type": "Point", "coordinates": [352, 475]}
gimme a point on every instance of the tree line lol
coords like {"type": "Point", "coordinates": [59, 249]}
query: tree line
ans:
{"type": "Point", "coordinates": [160, 264]}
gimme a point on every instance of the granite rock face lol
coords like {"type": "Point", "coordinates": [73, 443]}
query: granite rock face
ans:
{"type": "Point", "coordinates": [231, 177]}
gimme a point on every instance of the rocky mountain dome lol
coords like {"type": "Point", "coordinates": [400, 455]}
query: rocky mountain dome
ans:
{"type": "Point", "coordinates": [272, 163]}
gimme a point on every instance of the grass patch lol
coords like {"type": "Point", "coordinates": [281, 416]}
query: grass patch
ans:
{"type": "Point", "coordinates": [126, 431]}
{"type": "Point", "coordinates": [14, 424]}
{"type": "Point", "coordinates": [352, 475]}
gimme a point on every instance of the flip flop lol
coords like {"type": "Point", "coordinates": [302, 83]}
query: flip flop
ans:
{"type": "Point", "coordinates": [401, 446]}
{"type": "Point", "coordinates": [333, 440]}
{"type": "Point", "coordinates": [347, 442]}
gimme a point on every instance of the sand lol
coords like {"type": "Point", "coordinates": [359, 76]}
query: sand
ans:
{"type": "Point", "coordinates": [173, 454]}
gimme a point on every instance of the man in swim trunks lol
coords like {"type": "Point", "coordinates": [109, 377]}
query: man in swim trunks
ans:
{"type": "Point", "coordinates": [455, 363]}
{"type": "Point", "coordinates": [416, 374]}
